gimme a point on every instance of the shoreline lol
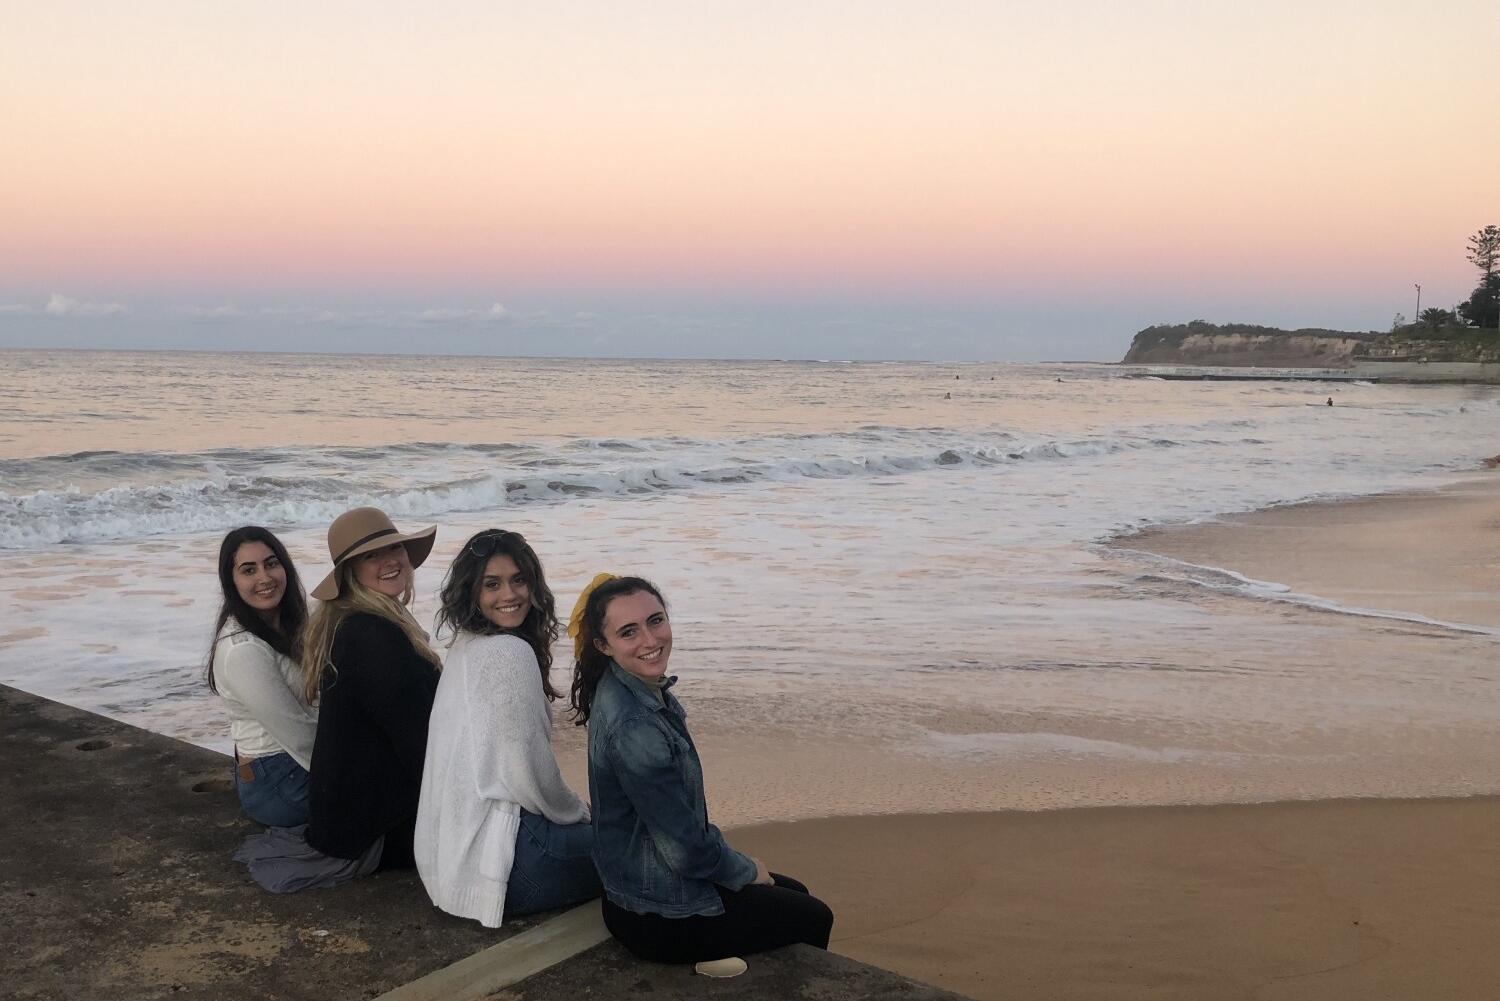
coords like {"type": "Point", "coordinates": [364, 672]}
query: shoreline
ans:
{"type": "Point", "coordinates": [1427, 553]}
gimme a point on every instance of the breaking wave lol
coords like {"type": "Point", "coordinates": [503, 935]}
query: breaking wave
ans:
{"type": "Point", "coordinates": [171, 493]}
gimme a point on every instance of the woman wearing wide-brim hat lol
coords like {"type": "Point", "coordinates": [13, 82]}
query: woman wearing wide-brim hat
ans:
{"type": "Point", "coordinates": [369, 665]}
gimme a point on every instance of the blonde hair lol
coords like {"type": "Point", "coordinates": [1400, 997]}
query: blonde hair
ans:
{"type": "Point", "coordinates": [323, 626]}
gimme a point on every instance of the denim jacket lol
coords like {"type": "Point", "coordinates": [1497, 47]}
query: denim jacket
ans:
{"type": "Point", "coordinates": [653, 845]}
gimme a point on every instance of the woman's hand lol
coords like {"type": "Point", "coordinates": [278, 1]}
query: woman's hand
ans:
{"type": "Point", "coordinates": [762, 874]}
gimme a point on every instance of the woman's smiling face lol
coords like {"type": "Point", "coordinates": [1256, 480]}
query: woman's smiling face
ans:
{"type": "Point", "coordinates": [637, 635]}
{"type": "Point", "coordinates": [260, 578]}
{"type": "Point", "coordinates": [504, 593]}
{"type": "Point", "coordinates": [387, 571]}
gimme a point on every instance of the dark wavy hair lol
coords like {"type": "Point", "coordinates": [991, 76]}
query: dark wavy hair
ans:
{"type": "Point", "coordinates": [286, 636]}
{"type": "Point", "coordinates": [459, 611]}
{"type": "Point", "coordinates": [593, 662]}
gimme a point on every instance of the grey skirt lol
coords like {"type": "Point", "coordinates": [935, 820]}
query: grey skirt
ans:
{"type": "Point", "coordinates": [282, 861]}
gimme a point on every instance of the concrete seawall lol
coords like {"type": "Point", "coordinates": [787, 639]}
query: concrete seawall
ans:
{"type": "Point", "coordinates": [117, 884]}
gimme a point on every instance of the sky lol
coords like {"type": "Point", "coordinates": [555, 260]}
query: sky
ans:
{"type": "Point", "coordinates": [881, 179]}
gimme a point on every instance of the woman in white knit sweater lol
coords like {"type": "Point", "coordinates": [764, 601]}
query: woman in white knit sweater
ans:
{"type": "Point", "coordinates": [499, 833]}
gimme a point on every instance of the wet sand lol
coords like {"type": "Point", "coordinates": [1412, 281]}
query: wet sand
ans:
{"type": "Point", "coordinates": [1434, 554]}
{"type": "Point", "coordinates": [1328, 900]}
{"type": "Point", "coordinates": [1324, 901]}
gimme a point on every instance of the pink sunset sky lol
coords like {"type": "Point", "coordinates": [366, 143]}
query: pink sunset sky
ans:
{"type": "Point", "coordinates": [975, 179]}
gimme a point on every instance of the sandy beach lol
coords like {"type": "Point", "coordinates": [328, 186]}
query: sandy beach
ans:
{"type": "Point", "coordinates": [1334, 899]}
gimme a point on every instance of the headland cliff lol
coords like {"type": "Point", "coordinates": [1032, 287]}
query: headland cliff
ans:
{"type": "Point", "coordinates": [1242, 344]}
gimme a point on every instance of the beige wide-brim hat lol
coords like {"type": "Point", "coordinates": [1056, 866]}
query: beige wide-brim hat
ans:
{"type": "Point", "coordinates": [364, 530]}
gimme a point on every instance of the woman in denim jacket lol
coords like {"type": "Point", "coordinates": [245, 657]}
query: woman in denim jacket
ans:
{"type": "Point", "coordinates": [674, 890]}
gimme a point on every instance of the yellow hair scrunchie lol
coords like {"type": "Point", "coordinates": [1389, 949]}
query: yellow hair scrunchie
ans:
{"type": "Point", "coordinates": [575, 621]}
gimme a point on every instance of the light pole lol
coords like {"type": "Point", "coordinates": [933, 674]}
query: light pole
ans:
{"type": "Point", "coordinates": [1418, 315]}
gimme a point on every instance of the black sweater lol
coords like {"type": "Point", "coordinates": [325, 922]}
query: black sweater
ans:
{"type": "Point", "coordinates": [367, 758]}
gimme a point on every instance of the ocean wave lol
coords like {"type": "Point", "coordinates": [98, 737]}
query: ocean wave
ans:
{"type": "Point", "coordinates": [301, 487]}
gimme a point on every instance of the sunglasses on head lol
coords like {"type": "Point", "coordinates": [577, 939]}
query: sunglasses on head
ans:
{"type": "Point", "coordinates": [485, 543]}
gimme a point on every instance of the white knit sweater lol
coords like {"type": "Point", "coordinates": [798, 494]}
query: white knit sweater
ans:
{"type": "Point", "coordinates": [489, 755]}
{"type": "Point", "coordinates": [262, 690]}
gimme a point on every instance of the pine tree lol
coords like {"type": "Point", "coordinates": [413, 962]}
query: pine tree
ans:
{"type": "Point", "coordinates": [1483, 306]}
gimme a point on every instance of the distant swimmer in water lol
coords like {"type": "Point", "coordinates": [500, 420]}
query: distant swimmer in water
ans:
{"type": "Point", "coordinates": [1330, 401]}
{"type": "Point", "coordinates": [947, 396]}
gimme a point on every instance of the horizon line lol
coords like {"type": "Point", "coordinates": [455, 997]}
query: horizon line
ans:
{"type": "Point", "coordinates": [624, 358]}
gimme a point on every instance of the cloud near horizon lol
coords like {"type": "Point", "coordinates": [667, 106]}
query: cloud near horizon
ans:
{"type": "Point", "coordinates": [210, 313]}
{"type": "Point", "coordinates": [448, 314]}
{"type": "Point", "coordinates": [62, 305]}
{"type": "Point", "coordinates": [338, 317]}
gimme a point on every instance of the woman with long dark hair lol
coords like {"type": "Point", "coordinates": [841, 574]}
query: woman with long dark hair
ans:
{"type": "Point", "coordinates": [499, 833]}
{"type": "Point", "coordinates": [674, 890]}
{"type": "Point", "coordinates": [253, 667]}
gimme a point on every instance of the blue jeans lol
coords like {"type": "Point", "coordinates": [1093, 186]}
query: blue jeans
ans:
{"type": "Point", "coordinates": [277, 794]}
{"type": "Point", "coordinates": [554, 866]}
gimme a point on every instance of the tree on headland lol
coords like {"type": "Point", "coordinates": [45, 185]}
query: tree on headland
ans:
{"type": "Point", "coordinates": [1484, 250]}
{"type": "Point", "coordinates": [1482, 309]}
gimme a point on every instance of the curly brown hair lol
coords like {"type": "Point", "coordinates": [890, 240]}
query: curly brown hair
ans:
{"type": "Point", "coordinates": [459, 610]}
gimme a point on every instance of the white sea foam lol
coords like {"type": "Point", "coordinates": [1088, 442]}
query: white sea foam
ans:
{"type": "Point", "coordinates": [1230, 582]}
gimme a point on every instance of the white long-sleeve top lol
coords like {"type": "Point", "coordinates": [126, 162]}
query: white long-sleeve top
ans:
{"type": "Point", "coordinates": [489, 755]}
{"type": "Point", "coordinates": [262, 691]}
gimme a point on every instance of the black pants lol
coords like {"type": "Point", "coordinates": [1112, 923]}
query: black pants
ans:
{"type": "Point", "coordinates": [755, 919]}
{"type": "Point", "coordinates": [397, 853]}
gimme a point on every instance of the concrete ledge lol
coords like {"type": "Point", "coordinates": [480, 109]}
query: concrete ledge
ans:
{"type": "Point", "coordinates": [116, 883]}
{"type": "Point", "coordinates": [800, 973]}
{"type": "Point", "coordinates": [512, 961]}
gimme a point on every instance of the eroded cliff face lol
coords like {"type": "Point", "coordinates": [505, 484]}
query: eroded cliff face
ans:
{"type": "Point", "coordinates": [1271, 350]}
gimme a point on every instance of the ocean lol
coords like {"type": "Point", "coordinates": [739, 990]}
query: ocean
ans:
{"type": "Point", "coordinates": [902, 558]}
